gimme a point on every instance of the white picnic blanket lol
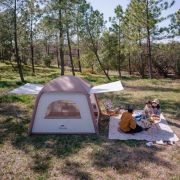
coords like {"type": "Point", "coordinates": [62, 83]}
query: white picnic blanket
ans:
{"type": "Point", "coordinates": [163, 133]}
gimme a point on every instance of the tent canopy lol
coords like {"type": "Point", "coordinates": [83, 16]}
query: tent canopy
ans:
{"type": "Point", "coordinates": [109, 87]}
{"type": "Point", "coordinates": [67, 84]}
{"type": "Point", "coordinates": [27, 89]}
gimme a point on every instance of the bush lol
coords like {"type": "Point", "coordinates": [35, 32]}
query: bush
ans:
{"type": "Point", "coordinates": [177, 69]}
{"type": "Point", "coordinates": [47, 60]}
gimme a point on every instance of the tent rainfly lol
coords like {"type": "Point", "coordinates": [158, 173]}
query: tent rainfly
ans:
{"type": "Point", "coordinates": [66, 105]}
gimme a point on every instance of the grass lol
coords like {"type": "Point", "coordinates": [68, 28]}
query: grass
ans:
{"type": "Point", "coordinates": [84, 156]}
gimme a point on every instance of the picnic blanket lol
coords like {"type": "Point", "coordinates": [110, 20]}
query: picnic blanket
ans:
{"type": "Point", "coordinates": [163, 133]}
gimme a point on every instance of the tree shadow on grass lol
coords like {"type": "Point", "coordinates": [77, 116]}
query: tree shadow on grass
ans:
{"type": "Point", "coordinates": [127, 159]}
{"type": "Point", "coordinates": [173, 124]}
{"type": "Point", "coordinates": [47, 146]}
{"type": "Point", "coordinates": [130, 78]}
{"type": "Point", "coordinates": [96, 80]}
{"type": "Point", "coordinates": [75, 170]}
{"type": "Point", "coordinates": [10, 84]}
{"type": "Point", "coordinates": [171, 107]}
{"type": "Point", "coordinates": [53, 75]}
{"type": "Point", "coordinates": [104, 125]}
{"type": "Point", "coordinates": [151, 88]}
{"type": "Point", "coordinates": [41, 163]}
{"type": "Point", "coordinates": [12, 98]}
{"type": "Point", "coordinates": [14, 121]}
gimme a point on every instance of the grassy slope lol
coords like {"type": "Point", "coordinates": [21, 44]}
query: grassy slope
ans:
{"type": "Point", "coordinates": [84, 157]}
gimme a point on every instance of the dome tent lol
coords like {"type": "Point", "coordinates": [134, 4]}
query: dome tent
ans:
{"type": "Point", "coordinates": [64, 106]}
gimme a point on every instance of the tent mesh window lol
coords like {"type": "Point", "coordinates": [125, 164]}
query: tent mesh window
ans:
{"type": "Point", "coordinates": [62, 110]}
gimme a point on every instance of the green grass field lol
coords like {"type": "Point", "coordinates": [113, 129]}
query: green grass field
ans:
{"type": "Point", "coordinates": [85, 156]}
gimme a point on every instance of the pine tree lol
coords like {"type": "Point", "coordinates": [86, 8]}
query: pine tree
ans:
{"type": "Point", "coordinates": [117, 22]}
{"type": "Point", "coordinates": [91, 29]}
{"type": "Point", "coordinates": [14, 7]}
{"type": "Point", "coordinates": [143, 17]}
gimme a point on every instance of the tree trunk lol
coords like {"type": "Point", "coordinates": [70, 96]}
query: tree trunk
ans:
{"type": "Point", "coordinates": [101, 65]}
{"type": "Point", "coordinates": [61, 42]}
{"type": "Point", "coordinates": [119, 53]}
{"type": "Point", "coordinates": [119, 63]}
{"type": "Point", "coordinates": [31, 39]}
{"type": "Point", "coordinates": [96, 54]}
{"type": "Point", "coordinates": [149, 55]}
{"type": "Point", "coordinates": [141, 63]}
{"type": "Point", "coordinates": [57, 52]}
{"type": "Point", "coordinates": [57, 57]}
{"type": "Point", "coordinates": [92, 69]}
{"type": "Point", "coordinates": [79, 62]}
{"type": "Point", "coordinates": [70, 52]}
{"type": "Point", "coordinates": [107, 71]}
{"type": "Point", "coordinates": [17, 58]}
{"type": "Point", "coordinates": [46, 45]}
{"type": "Point", "coordinates": [1, 55]}
{"type": "Point", "coordinates": [129, 63]}
{"type": "Point", "coordinates": [32, 57]}
{"type": "Point", "coordinates": [48, 49]}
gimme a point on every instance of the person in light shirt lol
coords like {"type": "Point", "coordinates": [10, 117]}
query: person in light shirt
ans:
{"type": "Point", "coordinates": [148, 110]}
{"type": "Point", "coordinates": [156, 107]}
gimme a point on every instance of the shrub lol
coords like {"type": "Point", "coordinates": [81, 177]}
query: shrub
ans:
{"type": "Point", "coordinates": [47, 60]}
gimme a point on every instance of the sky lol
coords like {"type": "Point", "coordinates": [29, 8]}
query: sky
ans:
{"type": "Point", "coordinates": [107, 8]}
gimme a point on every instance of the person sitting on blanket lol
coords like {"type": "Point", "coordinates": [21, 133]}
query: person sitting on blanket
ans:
{"type": "Point", "coordinates": [127, 123]}
{"type": "Point", "coordinates": [148, 110]}
{"type": "Point", "coordinates": [156, 107]}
